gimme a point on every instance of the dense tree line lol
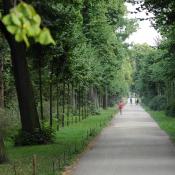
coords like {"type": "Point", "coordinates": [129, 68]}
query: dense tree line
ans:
{"type": "Point", "coordinates": [154, 66]}
{"type": "Point", "coordinates": [87, 69]}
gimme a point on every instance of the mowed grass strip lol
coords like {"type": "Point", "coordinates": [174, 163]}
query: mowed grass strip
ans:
{"type": "Point", "coordinates": [70, 141]}
{"type": "Point", "coordinates": [165, 122]}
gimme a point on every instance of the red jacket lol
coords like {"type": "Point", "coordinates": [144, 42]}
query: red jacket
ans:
{"type": "Point", "coordinates": [121, 105]}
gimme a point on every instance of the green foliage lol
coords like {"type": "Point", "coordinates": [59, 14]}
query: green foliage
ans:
{"type": "Point", "coordinates": [89, 50]}
{"type": "Point", "coordinates": [65, 138]}
{"type": "Point", "coordinates": [158, 103]}
{"type": "Point", "coordinates": [155, 72]}
{"type": "Point", "coordinates": [44, 136]}
{"type": "Point", "coordinates": [8, 124]}
{"type": "Point", "coordinates": [166, 123]}
{"type": "Point", "coordinates": [170, 109]}
{"type": "Point", "coordinates": [24, 22]}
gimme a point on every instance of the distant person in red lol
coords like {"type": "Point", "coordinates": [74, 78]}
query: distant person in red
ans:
{"type": "Point", "coordinates": [120, 106]}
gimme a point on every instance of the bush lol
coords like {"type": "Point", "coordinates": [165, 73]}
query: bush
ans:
{"type": "Point", "coordinates": [44, 136]}
{"type": "Point", "coordinates": [170, 109]}
{"type": "Point", "coordinates": [94, 110]}
{"type": "Point", "coordinates": [158, 103]}
{"type": "Point", "coordinates": [145, 100]}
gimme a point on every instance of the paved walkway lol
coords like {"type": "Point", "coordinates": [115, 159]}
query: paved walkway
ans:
{"type": "Point", "coordinates": [132, 145]}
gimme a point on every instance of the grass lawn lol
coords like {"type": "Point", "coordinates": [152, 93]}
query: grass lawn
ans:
{"type": "Point", "coordinates": [51, 159]}
{"type": "Point", "coordinates": [165, 122]}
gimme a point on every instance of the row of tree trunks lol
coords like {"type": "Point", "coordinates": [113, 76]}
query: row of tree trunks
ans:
{"type": "Point", "coordinates": [72, 102]}
{"type": "Point", "coordinates": [98, 99]}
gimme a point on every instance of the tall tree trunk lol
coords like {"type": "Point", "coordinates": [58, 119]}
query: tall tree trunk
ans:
{"type": "Point", "coordinates": [86, 103]}
{"type": "Point", "coordinates": [40, 88]}
{"type": "Point", "coordinates": [58, 96]}
{"type": "Point", "coordinates": [63, 105]}
{"type": "Point", "coordinates": [86, 17]}
{"type": "Point", "coordinates": [79, 103]}
{"type": "Point", "coordinates": [27, 105]}
{"type": "Point", "coordinates": [96, 99]}
{"type": "Point", "coordinates": [68, 103]}
{"type": "Point", "coordinates": [105, 98]}
{"type": "Point", "coordinates": [1, 84]}
{"type": "Point", "coordinates": [76, 104]}
{"type": "Point", "coordinates": [73, 102]}
{"type": "Point", "coordinates": [3, 157]}
{"type": "Point", "coordinates": [51, 93]}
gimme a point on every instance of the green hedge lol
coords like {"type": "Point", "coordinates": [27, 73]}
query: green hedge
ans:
{"type": "Point", "coordinates": [158, 103]}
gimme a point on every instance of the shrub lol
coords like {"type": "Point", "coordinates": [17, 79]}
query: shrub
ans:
{"type": "Point", "coordinates": [170, 109]}
{"type": "Point", "coordinates": [94, 110]}
{"type": "Point", "coordinates": [45, 135]}
{"type": "Point", "coordinates": [145, 100]}
{"type": "Point", "coordinates": [158, 103]}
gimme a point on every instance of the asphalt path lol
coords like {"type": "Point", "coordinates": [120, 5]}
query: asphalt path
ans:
{"type": "Point", "coordinates": [132, 145]}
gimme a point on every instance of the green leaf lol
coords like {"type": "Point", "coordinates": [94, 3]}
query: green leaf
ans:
{"type": "Point", "coordinates": [24, 22]}
{"type": "Point", "coordinates": [25, 9]}
{"type": "Point", "coordinates": [37, 19]}
{"type": "Point", "coordinates": [12, 29]}
{"type": "Point", "coordinates": [19, 37]}
{"type": "Point", "coordinates": [45, 37]}
{"type": "Point", "coordinates": [15, 19]}
{"type": "Point", "coordinates": [34, 31]}
{"type": "Point", "coordinates": [7, 20]}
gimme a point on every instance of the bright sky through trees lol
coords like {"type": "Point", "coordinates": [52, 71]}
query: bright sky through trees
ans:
{"type": "Point", "coordinates": [145, 33]}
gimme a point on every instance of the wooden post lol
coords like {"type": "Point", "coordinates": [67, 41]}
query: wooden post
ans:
{"type": "Point", "coordinates": [53, 166]}
{"type": "Point", "coordinates": [34, 164]}
{"type": "Point", "coordinates": [64, 155]}
{"type": "Point", "coordinates": [14, 168]}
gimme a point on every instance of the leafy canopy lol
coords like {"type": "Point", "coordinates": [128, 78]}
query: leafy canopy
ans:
{"type": "Point", "coordinates": [23, 22]}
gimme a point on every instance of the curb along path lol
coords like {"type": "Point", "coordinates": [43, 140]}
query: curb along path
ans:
{"type": "Point", "coordinates": [133, 145]}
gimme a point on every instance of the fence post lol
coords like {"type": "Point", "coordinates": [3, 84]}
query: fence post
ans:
{"type": "Point", "coordinates": [34, 164]}
{"type": "Point", "coordinates": [14, 168]}
{"type": "Point", "coordinates": [53, 166]}
{"type": "Point", "coordinates": [64, 157]}
{"type": "Point", "coordinates": [59, 163]}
